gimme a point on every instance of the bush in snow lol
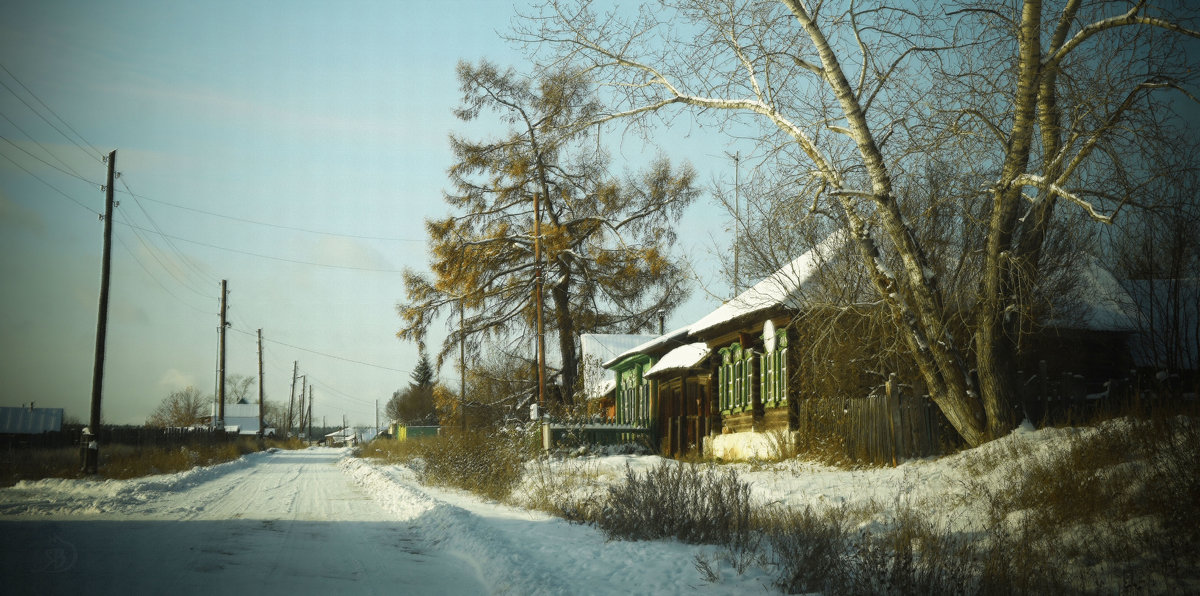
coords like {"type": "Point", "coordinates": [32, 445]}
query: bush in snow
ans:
{"type": "Point", "coordinates": [675, 500]}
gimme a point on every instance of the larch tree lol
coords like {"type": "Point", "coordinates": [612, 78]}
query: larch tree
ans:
{"type": "Point", "coordinates": [1050, 106]}
{"type": "Point", "coordinates": [603, 257]}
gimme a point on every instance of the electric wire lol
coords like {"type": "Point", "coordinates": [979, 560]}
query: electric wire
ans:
{"type": "Point", "coordinates": [72, 171]}
{"type": "Point", "coordinates": [55, 188]}
{"type": "Point", "coordinates": [156, 280]}
{"type": "Point", "coordinates": [182, 257]}
{"type": "Point", "coordinates": [271, 257]}
{"type": "Point", "coordinates": [154, 253]}
{"type": "Point", "coordinates": [311, 351]}
{"type": "Point", "coordinates": [98, 153]}
{"type": "Point", "coordinates": [274, 225]}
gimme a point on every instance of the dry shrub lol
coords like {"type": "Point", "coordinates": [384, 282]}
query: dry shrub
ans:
{"type": "Point", "coordinates": [679, 501]}
{"type": "Point", "coordinates": [484, 461]}
{"type": "Point", "coordinates": [1110, 512]}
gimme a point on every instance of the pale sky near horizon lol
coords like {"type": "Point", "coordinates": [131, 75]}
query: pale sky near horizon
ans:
{"type": "Point", "coordinates": [280, 116]}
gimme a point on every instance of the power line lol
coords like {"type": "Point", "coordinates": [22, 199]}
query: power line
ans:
{"type": "Point", "coordinates": [183, 258]}
{"type": "Point", "coordinates": [154, 253]}
{"type": "Point", "coordinates": [274, 225]}
{"type": "Point", "coordinates": [262, 256]}
{"type": "Point", "coordinates": [72, 171]}
{"type": "Point", "coordinates": [155, 278]}
{"type": "Point", "coordinates": [99, 155]}
{"type": "Point", "coordinates": [379, 366]}
{"type": "Point", "coordinates": [55, 188]}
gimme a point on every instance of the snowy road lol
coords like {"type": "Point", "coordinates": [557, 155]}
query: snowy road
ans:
{"type": "Point", "coordinates": [283, 523]}
{"type": "Point", "coordinates": [317, 521]}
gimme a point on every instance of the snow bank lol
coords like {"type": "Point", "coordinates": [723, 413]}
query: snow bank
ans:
{"type": "Point", "coordinates": [70, 496]}
{"type": "Point", "coordinates": [519, 551]}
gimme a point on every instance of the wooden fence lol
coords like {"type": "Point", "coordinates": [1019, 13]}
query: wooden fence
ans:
{"type": "Point", "coordinates": [571, 435]}
{"type": "Point", "coordinates": [883, 429]}
{"type": "Point", "coordinates": [138, 436]}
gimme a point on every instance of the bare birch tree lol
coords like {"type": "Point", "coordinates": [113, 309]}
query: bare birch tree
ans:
{"type": "Point", "coordinates": [1050, 104]}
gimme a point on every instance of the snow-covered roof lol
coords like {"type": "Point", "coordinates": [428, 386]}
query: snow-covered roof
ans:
{"type": "Point", "coordinates": [653, 344]}
{"type": "Point", "coordinates": [1104, 304]}
{"type": "Point", "coordinates": [30, 421]}
{"type": "Point", "coordinates": [777, 289]}
{"type": "Point", "coordinates": [596, 349]}
{"type": "Point", "coordinates": [601, 388]}
{"type": "Point", "coordinates": [605, 346]}
{"type": "Point", "coordinates": [681, 358]}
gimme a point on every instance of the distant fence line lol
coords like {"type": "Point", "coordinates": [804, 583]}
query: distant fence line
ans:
{"type": "Point", "coordinates": [138, 436]}
{"type": "Point", "coordinates": [570, 435]}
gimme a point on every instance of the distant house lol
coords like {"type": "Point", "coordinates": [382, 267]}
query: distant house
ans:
{"type": "Point", "coordinates": [599, 387]}
{"type": "Point", "coordinates": [242, 418]}
{"type": "Point", "coordinates": [18, 425]}
{"type": "Point", "coordinates": [30, 421]}
{"type": "Point", "coordinates": [403, 432]}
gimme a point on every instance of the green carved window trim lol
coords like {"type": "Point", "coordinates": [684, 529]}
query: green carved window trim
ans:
{"type": "Point", "coordinates": [775, 372]}
{"type": "Point", "coordinates": [735, 376]}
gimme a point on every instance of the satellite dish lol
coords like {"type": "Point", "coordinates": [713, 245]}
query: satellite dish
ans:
{"type": "Point", "coordinates": [769, 336]}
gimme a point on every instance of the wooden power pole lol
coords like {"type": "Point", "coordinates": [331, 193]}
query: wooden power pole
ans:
{"type": "Point", "coordinates": [292, 398]}
{"type": "Point", "coordinates": [262, 431]}
{"type": "Point", "coordinates": [303, 388]}
{"type": "Point", "coordinates": [89, 444]}
{"type": "Point", "coordinates": [221, 359]}
{"type": "Point", "coordinates": [537, 288]}
{"type": "Point", "coordinates": [310, 400]}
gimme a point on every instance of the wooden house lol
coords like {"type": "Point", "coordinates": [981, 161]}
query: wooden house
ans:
{"type": "Point", "coordinates": [732, 382]}
{"type": "Point", "coordinates": [636, 395]}
{"type": "Point", "coordinates": [727, 373]}
{"type": "Point", "coordinates": [599, 387]}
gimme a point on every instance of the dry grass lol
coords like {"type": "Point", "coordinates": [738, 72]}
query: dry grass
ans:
{"type": "Point", "coordinates": [34, 464]}
{"type": "Point", "coordinates": [487, 462]}
{"type": "Point", "coordinates": [568, 488]}
{"type": "Point", "coordinates": [125, 461]}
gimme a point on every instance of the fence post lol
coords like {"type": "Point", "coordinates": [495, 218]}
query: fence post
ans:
{"type": "Point", "coordinates": [893, 408]}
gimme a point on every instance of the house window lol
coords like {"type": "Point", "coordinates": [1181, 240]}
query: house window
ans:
{"type": "Point", "coordinates": [775, 373]}
{"type": "Point", "coordinates": [736, 379]}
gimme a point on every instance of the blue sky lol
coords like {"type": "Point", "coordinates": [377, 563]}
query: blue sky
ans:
{"type": "Point", "coordinates": [329, 117]}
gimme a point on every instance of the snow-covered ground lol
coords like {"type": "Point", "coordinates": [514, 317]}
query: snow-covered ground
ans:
{"type": "Point", "coordinates": [302, 522]}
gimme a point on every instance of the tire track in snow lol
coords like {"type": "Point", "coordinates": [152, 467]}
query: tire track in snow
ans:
{"type": "Point", "coordinates": [457, 531]}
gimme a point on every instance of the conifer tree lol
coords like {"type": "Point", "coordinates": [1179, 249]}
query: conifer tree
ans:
{"type": "Point", "coordinates": [605, 241]}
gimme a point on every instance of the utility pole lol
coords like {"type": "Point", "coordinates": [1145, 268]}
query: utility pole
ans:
{"type": "Point", "coordinates": [537, 288]}
{"type": "Point", "coordinates": [462, 361]}
{"type": "Point", "coordinates": [89, 444]}
{"type": "Point", "coordinates": [292, 398]}
{"type": "Point", "coordinates": [376, 416]}
{"type": "Point", "coordinates": [737, 217]}
{"type": "Point", "coordinates": [262, 432]}
{"type": "Point", "coordinates": [310, 400]}
{"type": "Point", "coordinates": [303, 388]}
{"type": "Point", "coordinates": [221, 358]}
